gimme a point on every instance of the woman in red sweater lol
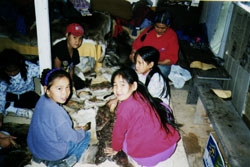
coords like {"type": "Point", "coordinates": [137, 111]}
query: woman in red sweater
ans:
{"type": "Point", "coordinates": [145, 128]}
{"type": "Point", "coordinates": [161, 37]}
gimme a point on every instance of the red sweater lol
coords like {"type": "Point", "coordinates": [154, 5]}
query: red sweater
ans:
{"type": "Point", "coordinates": [145, 137]}
{"type": "Point", "coordinates": [167, 44]}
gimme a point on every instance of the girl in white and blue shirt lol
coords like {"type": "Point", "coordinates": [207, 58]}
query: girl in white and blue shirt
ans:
{"type": "Point", "coordinates": [146, 66]}
{"type": "Point", "coordinates": [17, 81]}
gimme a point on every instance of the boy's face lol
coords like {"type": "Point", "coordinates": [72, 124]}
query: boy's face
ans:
{"type": "Point", "coordinates": [74, 41]}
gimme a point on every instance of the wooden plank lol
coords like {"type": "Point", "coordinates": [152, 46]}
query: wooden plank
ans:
{"type": "Point", "coordinates": [232, 132]}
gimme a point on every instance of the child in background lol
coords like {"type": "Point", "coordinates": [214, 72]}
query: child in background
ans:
{"type": "Point", "coordinates": [17, 90]}
{"type": "Point", "coordinates": [144, 128]}
{"type": "Point", "coordinates": [146, 66]}
{"type": "Point", "coordinates": [65, 54]}
{"type": "Point", "coordinates": [51, 137]}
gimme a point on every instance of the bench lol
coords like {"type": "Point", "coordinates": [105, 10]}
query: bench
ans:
{"type": "Point", "coordinates": [231, 131]}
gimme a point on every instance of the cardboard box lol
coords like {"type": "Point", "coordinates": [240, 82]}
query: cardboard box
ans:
{"type": "Point", "coordinates": [212, 155]}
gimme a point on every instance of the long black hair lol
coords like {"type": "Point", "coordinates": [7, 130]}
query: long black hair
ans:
{"type": "Point", "coordinates": [150, 54]}
{"type": "Point", "coordinates": [10, 57]}
{"type": "Point", "coordinates": [164, 114]}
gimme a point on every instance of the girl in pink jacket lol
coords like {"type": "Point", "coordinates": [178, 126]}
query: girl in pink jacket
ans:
{"type": "Point", "coordinates": [145, 128]}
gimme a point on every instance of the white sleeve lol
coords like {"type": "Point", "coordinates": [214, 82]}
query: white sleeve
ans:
{"type": "Point", "coordinates": [156, 85]}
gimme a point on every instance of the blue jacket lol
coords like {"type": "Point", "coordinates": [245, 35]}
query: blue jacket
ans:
{"type": "Point", "coordinates": [51, 131]}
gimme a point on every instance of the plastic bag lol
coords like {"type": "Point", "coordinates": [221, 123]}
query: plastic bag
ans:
{"type": "Point", "coordinates": [179, 76]}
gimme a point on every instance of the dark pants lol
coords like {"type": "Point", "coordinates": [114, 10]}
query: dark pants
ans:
{"type": "Point", "coordinates": [25, 100]}
{"type": "Point", "coordinates": [78, 82]}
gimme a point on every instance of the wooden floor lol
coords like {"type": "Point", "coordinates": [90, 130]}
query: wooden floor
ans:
{"type": "Point", "coordinates": [196, 127]}
{"type": "Point", "coordinates": [194, 133]}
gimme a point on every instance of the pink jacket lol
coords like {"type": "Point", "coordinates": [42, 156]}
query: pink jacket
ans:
{"type": "Point", "coordinates": [145, 136]}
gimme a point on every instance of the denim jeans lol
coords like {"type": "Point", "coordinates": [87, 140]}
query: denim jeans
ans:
{"type": "Point", "coordinates": [165, 69]}
{"type": "Point", "coordinates": [78, 149]}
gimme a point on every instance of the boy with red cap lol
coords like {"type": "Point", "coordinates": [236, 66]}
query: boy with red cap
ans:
{"type": "Point", "coordinates": [65, 54]}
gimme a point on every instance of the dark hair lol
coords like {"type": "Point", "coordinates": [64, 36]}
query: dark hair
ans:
{"type": "Point", "coordinates": [150, 54]}
{"type": "Point", "coordinates": [164, 115]}
{"type": "Point", "coordinates": [10, 57]}
{"type": "Point", "coordinates": [163, 17]}
{"type": "Point", "coordinates": [49, 75]}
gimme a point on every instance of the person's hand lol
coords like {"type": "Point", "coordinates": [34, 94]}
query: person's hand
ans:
{"type": "Point", "coordinates": [85, 127]}
{"type": "Point", "coordinates": [6, 140]}
{"type": "Point", "coordinates": [109, 151]}
{"type": "Point", "coordinates": [164, 62]}
{"type": "Point", "coordinates": [112, 104]}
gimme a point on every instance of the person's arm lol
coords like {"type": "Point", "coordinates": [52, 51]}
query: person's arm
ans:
{"type": "Point", "coordinates": [57, 63]}
{"type": "Point", "coordinates": [72, 72]}
{"type": "Point", "coordinates": [156, 85]}
{"type": "Point", "coordinates": [165, 62]}
{"type": "Point", "coordinates": [66, 133]}
{"type": "Point", "coordinates": [119, 131]}
{"type": "Point", "coordinates": [33, 69]}
{"type": "Point", "coordinates": [171, 51]}
{"type": "Point", "coordinates": [109, 151]}
{"type": "Point", "coordinates": [112, 104]}
{"type": "Point", "coordinates": [3, 92]}
{"type": "Point", "coordinates": [137, 44]}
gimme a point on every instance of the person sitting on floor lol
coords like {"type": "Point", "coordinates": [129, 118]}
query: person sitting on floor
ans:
{"type": "Point", "coordinates": [161, 37]}
{"type": "Point", "coordinates": [145, 128]}
{"type": "Point", "coordinates": [17, 84]}
{"type": "Point", "coordinates": [146, 66]}
{"type": "Point", "coordinates": [51, 138]}
{"type": "Point", "coordinates": [65, 54]}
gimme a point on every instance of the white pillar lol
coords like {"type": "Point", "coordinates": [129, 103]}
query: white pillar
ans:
{"type": "Point", "coordinates": [154, 3]}
{"type": "Point", "coordinates": [43, 33]}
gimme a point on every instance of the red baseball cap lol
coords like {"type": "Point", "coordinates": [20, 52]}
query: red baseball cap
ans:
{"type": "Point", "coordinates": [75, 29]}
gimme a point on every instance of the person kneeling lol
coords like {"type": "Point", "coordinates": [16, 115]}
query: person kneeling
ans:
{"type": "Point", "coordinates": [145, 128]}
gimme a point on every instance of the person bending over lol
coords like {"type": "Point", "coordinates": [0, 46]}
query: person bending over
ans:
{"type": "Point", "coordinates": [17, 89]}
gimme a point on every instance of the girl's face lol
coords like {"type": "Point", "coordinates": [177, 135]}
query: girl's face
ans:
{"type": "Point", "coordinates": [59, 90]}
{"type": "Point", "coordinates": [74, 41]}
{"type": "Point", "coordinates": [122, 89]}
{"type": "Point", "coordinates": [141, 66]}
